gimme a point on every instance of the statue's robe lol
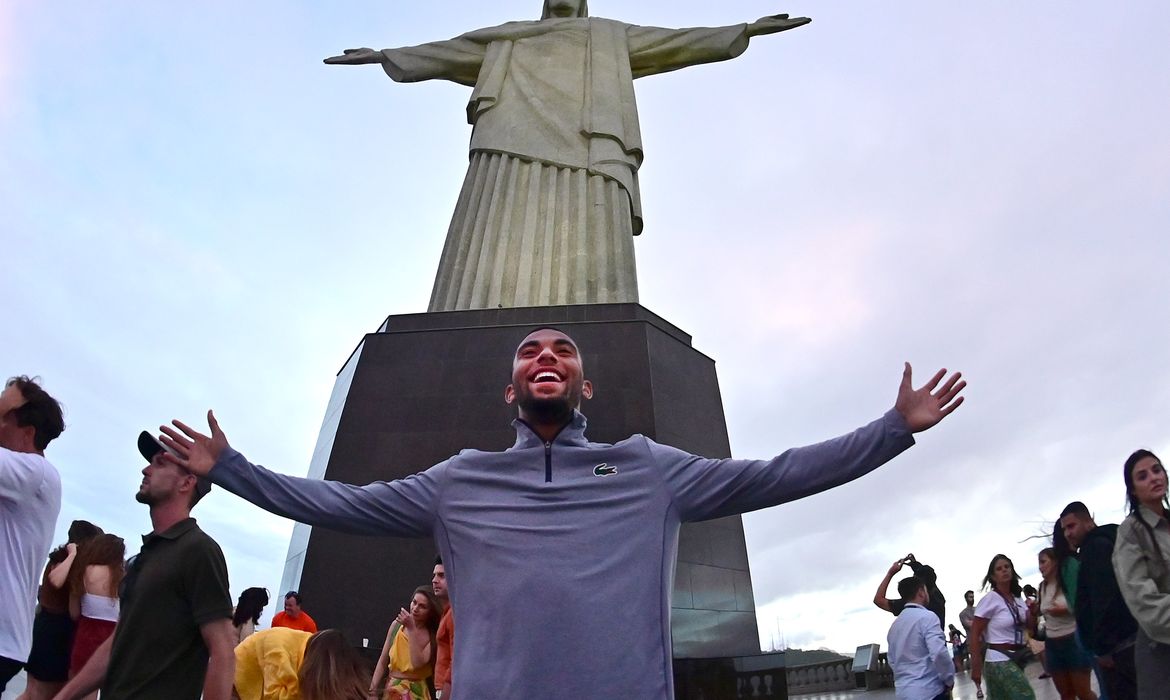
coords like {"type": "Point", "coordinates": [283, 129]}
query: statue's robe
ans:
{"type": "Point", "coordinates": [550, 202]}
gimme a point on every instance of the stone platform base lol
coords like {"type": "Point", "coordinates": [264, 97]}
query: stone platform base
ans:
{"type": "Point", "coordinates": [427, 385]}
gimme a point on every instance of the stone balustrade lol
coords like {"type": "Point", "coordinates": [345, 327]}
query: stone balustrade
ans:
{"type": "Point", "coordinates": [830, 676]}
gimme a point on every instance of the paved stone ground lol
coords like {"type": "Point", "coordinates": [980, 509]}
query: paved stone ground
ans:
{"type": "Point", "coordinates": [964, 689]}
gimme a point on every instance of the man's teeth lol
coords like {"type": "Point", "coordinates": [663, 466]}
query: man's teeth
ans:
{"type": "Point", "coordinates": [541, 376]}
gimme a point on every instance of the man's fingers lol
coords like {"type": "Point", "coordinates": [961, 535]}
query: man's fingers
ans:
{"type": "Point", "coordinates": [950, 383]}
{"type": "Point", "coordinates": [930, 385]}
{"type": "Point", "coordinates": [907, 376]}
{"type": "Point", "coordinates": [168, 457]}
{"type": "Point", "coordinates": [172, 439]}
{"type": "Point", "coordinates": [951, 390]}
{"type": "Point", "coordinates": [181, 460]}
{"type": "Point", "coordinates": [947, 411]}
{"type": "Point", "coordinates": [187, 430]}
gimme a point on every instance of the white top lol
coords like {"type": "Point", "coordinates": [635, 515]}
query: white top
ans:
{"type": "Point", "coordinates": [99, 607]}
{"type": "Point", "coordinates": [1056, 625]}
{"type": "Point", "coordinates": [30, 500]}
{"type": "Point", "coordinates": [1001, 625]}
{"type": "Point", "coordinates": [245, 630]}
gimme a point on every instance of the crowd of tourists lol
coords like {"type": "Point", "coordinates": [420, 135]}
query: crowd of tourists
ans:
{"type": "Point", "coordinates": [555, 501]}
{"type": "Point", "coordinates": [161, 624]}
{"type": "Point", "coordinates": [1102, 608]}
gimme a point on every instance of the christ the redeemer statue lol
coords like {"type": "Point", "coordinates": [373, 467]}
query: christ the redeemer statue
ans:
{"type": "Point", "coordinates": [550, 202]}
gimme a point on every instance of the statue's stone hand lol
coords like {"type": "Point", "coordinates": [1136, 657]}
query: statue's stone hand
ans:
{"type": "Point", "coordinates": [355, 57]}
{"type": "Point", "coordinates": [776, 23]}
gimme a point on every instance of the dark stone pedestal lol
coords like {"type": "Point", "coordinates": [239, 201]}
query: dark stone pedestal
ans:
{"type": "Point", "coordinates": [427, 385]}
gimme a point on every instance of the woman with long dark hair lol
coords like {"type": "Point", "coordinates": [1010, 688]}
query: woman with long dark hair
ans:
{"type": "Point", "coordinates": [1068, 663]}
{"type": "Point", "coordinates": [48, 662]}
{"type": "Point", "coordinates": [282, 663]}
{"type": "Point", "coordinates": [247, 613]}
{"type": "Point", "coordinates": [1001, 618]}
{"type": "Point", "coordinates": [93, 596]}
{"type": "Point", "coordinates": [408, 656]}
{"type": "Point", "coordinates": [1141, 559]}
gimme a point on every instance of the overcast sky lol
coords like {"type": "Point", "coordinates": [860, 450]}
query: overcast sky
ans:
{"type": "Point", "coordinates": [196, 212]}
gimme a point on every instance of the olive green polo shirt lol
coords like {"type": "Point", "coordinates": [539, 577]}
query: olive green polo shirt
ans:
{"type": "Point", "coordinates": [176, 583]}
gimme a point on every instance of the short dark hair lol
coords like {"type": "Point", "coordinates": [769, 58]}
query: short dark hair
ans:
{"type": "Point", "coordinates": [438, 560]}
{"type": "Point", "coordinates": [969, 593]}
{"type": "Point", "coordinates": [293, 594]}
{"type": "Point", "coordinates": [40, 411]}
{"type": "Point", "coordinates": [1076, 508]}
{"type": "Point", "coordinates": [909, 587]}
{"type": "Point", "coordinates": [554, 329]}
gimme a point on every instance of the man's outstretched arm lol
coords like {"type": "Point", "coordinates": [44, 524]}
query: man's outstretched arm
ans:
{"type": "Point", "coordinates": [402, 508]}
{"type": "Point", "coordinates": [710, 488]}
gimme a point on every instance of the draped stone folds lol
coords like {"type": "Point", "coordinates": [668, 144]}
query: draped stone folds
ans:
{"type": "Point", "coordinates": [526, 233]}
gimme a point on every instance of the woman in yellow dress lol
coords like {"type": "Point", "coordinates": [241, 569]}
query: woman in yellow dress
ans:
{"type": "Point", "coordinates": [287, 664]}
{"type": "Point", "coordinates": [408, 656]}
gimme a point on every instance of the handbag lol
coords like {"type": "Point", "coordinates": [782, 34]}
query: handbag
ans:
{"type": "Point", "coordinates": [1019, 654]}
{"type": "Point", "coordinates": [1040, 634]}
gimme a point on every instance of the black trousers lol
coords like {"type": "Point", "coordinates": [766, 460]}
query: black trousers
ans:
{"type": "Point", "coordinates": [1122, 678]}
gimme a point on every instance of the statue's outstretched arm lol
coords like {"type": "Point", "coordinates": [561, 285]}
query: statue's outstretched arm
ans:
{"type": "Point", "coordinates": [356, 57]}
{"type": "Point", "coordinates": [658, 50]}
{"type": "Point", "coordinates": [775, 23]}
{"type": "Point", "coordinates": [457, 60]}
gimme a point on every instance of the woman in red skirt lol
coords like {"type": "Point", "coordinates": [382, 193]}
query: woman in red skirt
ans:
{"type": "Point", "coordinates": [93, 596]}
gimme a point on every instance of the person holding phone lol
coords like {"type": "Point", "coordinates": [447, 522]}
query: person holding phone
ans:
{"type": "Point", "coordinates": [408, 656]}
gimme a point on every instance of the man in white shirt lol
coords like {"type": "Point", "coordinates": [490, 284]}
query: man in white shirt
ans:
{"type": "Point", "coordinates": [30, 500]}
{"type": "Point", "coordinates": [923, 669]}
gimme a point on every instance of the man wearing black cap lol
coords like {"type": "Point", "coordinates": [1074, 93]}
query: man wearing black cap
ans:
{"type": "Point", "coordinates": [174, 638]}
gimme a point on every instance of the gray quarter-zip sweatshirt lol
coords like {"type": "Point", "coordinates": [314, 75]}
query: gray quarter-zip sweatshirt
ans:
{"type": "Point", "coordinates": [560, 556]}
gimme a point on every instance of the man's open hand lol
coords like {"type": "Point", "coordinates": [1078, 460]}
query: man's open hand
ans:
{"type": "Point", "coordinates": [197, 452]}
{"type": "Point", "coordinates": [924, 407]}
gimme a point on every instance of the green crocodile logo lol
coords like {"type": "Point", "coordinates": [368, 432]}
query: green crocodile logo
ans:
{"type": "Point", "coordinates": [604, 469]}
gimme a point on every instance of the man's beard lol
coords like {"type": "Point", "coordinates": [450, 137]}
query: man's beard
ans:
{"type": "Point", "coordinates": [144, 497]}
{"type": "Point", "coordinates": [548, 411]}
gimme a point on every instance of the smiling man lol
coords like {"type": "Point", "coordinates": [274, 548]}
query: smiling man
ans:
{"type": "Point", "coordinates": [558, 543]}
